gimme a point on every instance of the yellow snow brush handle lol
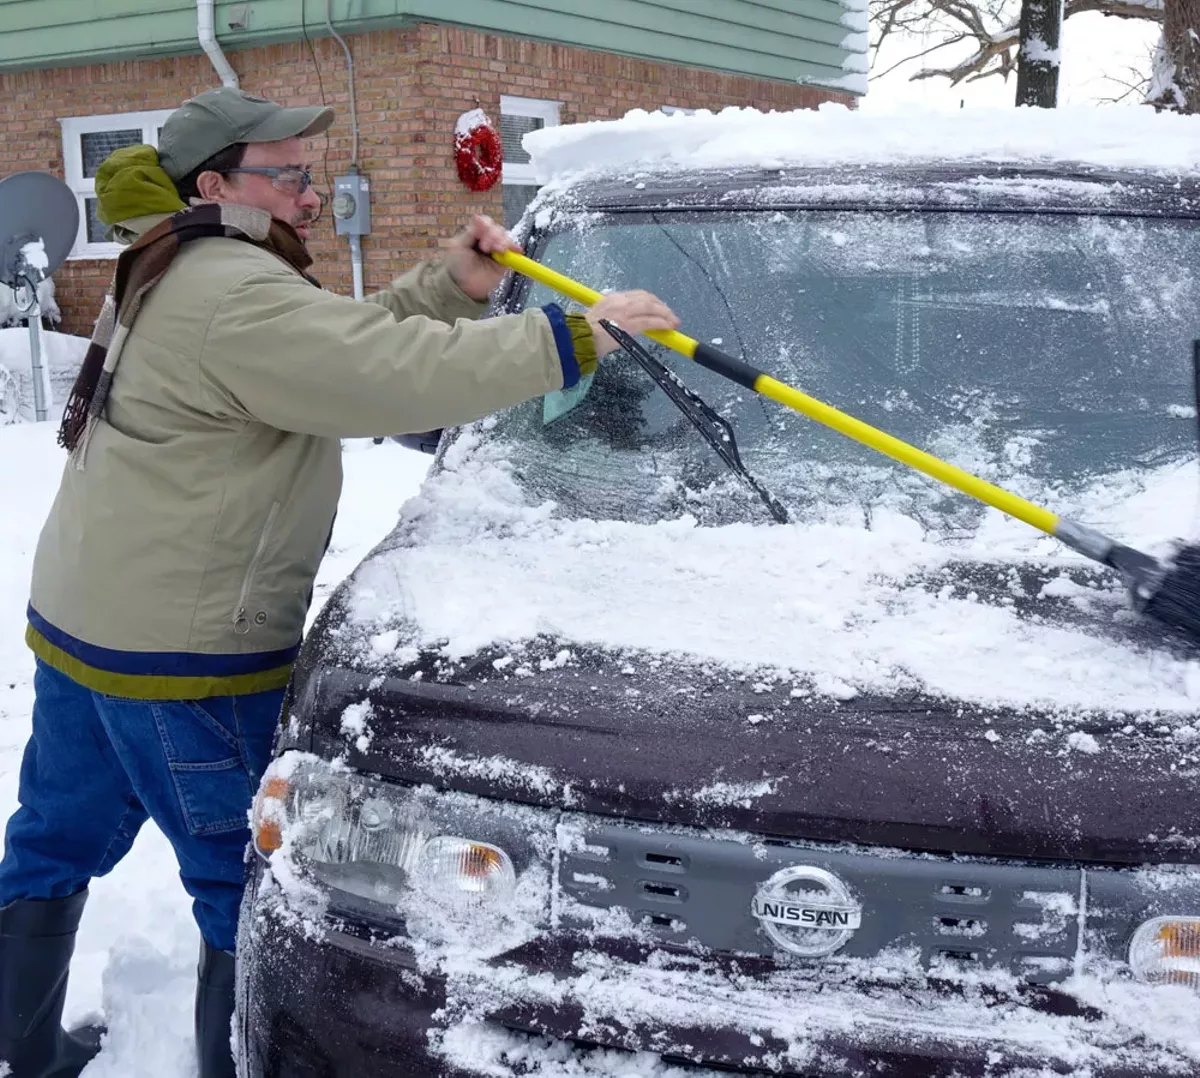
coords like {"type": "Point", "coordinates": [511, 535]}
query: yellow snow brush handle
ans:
{"type": "Point", "coordinates": [761, 382]}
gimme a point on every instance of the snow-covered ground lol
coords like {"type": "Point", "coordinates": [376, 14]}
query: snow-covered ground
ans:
{"type": "Point", "coordinates": [137, 948]}
{"type": "Point", "coordinates": [61, 356]}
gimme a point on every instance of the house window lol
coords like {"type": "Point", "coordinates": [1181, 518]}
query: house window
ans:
{"type": "Point", "coordinates": [670, 110]}
{"type": "Point", "coordinates": [519, 116]}
{"type": "Point", "coordinates": [87, 141]}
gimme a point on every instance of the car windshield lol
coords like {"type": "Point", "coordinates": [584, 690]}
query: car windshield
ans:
{"type": "Point", "coordinates": [1046, 352]}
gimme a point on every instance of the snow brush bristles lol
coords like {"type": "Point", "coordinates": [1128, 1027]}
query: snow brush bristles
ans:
{"type": "Point", "coordinates": [1175, 601]}
{"type": "Point", "coordinates": [1168, 592]}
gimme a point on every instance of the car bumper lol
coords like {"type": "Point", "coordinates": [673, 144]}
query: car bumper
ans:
{"type": "Point", "coordinates": [324, 1008]}
{"type": "Point", "coordinates": [326, 1004]}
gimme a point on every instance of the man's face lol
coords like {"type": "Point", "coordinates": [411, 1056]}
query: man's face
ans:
{"type": "Point", "coordinates": [249, 189]}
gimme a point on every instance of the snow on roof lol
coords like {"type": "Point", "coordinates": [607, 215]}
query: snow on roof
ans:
{"type": "Point", "coordinates": [1135, 138]}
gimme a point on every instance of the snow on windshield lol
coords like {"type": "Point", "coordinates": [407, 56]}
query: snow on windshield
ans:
{"type": "Point", "coordinates": [829, 605]}
{"type": "Point", "coordinates": [834, 135]}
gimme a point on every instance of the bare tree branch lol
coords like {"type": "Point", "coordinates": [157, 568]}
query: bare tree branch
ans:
{"type": "Point", "coordinates": [1136, 85]}
{"type": "Point", "coordinates": [919, 55]}
{"type": "Point", "coordinates": [989, 24]}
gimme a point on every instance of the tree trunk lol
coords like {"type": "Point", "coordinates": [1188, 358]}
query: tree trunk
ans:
{"type": "Point", "coordinates": [1175, 83]}
{"type": "Point", "coordinates": [1038, 53]}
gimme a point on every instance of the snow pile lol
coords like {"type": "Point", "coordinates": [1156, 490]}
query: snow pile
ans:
{"type": "Point", "coordinates": [35, 254]}
{"type": "Point", "coordinates": [834, 135]}
{"type": "Point", "coordinates": [1141, 1028]}
{"type": "Point", "coordinates": [828, 603]}
{"type": "Point", "coordinates": [355, 724]}
{"type": "Point", "coordinates": [62, 355]}
{"type": "Point", "coordinates": [469, 121]}
{"type": "Point", "coordinates": [856, 65]}
{"type": "Point", "coordinates": [10, 313]}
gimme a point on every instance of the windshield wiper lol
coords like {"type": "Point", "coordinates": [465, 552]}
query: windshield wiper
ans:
{"type": "Point", "coordinates": [713, 427]}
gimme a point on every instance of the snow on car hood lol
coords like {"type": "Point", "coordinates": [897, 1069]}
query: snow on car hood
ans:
{"type": "Point", "coordinates": [834, 135]}
{"type": "Point", "coordinates": [831, 605]}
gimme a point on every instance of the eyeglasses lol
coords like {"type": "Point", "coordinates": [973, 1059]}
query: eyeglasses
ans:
{"type": "Point", "coordinates": [291, 181]}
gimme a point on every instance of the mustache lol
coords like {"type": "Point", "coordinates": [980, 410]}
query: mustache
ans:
{"type": "Point", "coordinates": [307, 216]}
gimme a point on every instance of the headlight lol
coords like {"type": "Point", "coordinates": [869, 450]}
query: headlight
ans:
{"type": "Point", "coordinates": [475, 871]}
{"type": "Point", "coordinates": [389, 846]}
{"type": "Point", "coordinates": [1166, 950]}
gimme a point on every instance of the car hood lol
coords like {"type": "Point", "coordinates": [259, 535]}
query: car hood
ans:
{"type": "Point", "coordinates": [823, 680]}
{"type": "Point", "coordinates": [684, 744]}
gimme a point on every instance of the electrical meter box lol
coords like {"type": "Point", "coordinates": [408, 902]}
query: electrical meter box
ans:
{"type": "Point", "coordinates": [352, 204]}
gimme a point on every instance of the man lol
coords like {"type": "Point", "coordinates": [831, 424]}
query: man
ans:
{"type": "Point", "coordinates": [173, 575]}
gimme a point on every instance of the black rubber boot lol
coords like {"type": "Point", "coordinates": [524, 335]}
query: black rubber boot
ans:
{"type": "Point", "coordinates": [37, 938]}
{"type": "Point", "coordinates": [214, 1013]}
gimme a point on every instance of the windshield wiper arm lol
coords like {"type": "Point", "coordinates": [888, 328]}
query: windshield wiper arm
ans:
{"type": "Point", "coordinates": [713, 427]}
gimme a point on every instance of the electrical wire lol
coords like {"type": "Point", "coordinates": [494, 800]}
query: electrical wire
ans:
{"type": "Point", "coordinates": [321, 86]}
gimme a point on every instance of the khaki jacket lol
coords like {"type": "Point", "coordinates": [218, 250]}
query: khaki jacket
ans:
{"type": "Point", "coordinates": [179, 562]}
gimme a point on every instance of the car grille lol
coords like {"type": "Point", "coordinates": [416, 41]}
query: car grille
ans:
{"type": "Point", "coordinates": [693, 888]}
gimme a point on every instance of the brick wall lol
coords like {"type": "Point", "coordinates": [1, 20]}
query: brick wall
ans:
{"type": "Point", "coordinates": [411, 86]}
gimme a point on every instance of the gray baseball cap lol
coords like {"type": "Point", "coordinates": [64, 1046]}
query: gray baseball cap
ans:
{"type": "Point", "coordinates": [208, 122]}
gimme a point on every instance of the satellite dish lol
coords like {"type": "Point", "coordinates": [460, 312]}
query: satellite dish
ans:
{"type": "Point", "coordinates": [35, 206]}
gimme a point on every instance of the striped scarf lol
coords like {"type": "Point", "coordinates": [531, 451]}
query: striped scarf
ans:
{"type": "Point", "coordinates": [139, 268]}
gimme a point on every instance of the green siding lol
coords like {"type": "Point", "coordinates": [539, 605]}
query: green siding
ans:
{"type": "Point", "coordinates": [775, 39]}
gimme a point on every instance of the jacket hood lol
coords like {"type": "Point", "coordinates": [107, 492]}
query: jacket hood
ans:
{"type": "Point", "coordinates": [131, 185]}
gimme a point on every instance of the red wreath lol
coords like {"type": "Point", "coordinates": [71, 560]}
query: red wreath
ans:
{"type": "Point", "coordinates": [478, 152]}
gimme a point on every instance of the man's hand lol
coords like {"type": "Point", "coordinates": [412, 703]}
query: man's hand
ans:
{"type": "Point", "coordinates": [476, 274]}
{"type": "Point", "coordinates": [634, 312]}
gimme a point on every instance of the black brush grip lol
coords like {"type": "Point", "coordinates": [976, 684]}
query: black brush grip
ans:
{"type": "Point", "coordinates": [726, 365]}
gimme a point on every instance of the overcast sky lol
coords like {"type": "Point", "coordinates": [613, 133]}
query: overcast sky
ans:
{"type": "Point", "coordinates": [1097, 50]}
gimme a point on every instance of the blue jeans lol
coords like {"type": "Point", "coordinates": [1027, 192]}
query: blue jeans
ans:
{"type": "Point", "coordinates": [96, 767]}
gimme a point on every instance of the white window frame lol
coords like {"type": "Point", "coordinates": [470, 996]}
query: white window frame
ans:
{"type": "Point", "coordinates": [549, 112]}
{"type": "Point", "coordinates": [73, 128]}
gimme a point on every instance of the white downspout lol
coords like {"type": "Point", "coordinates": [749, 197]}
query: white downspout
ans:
{"type": "Point", "coordinates": [356, 255]}
{"type": "Point", "coordinates": [208, 42]}
{"type": "Point", "coordinates": [356, 264]}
